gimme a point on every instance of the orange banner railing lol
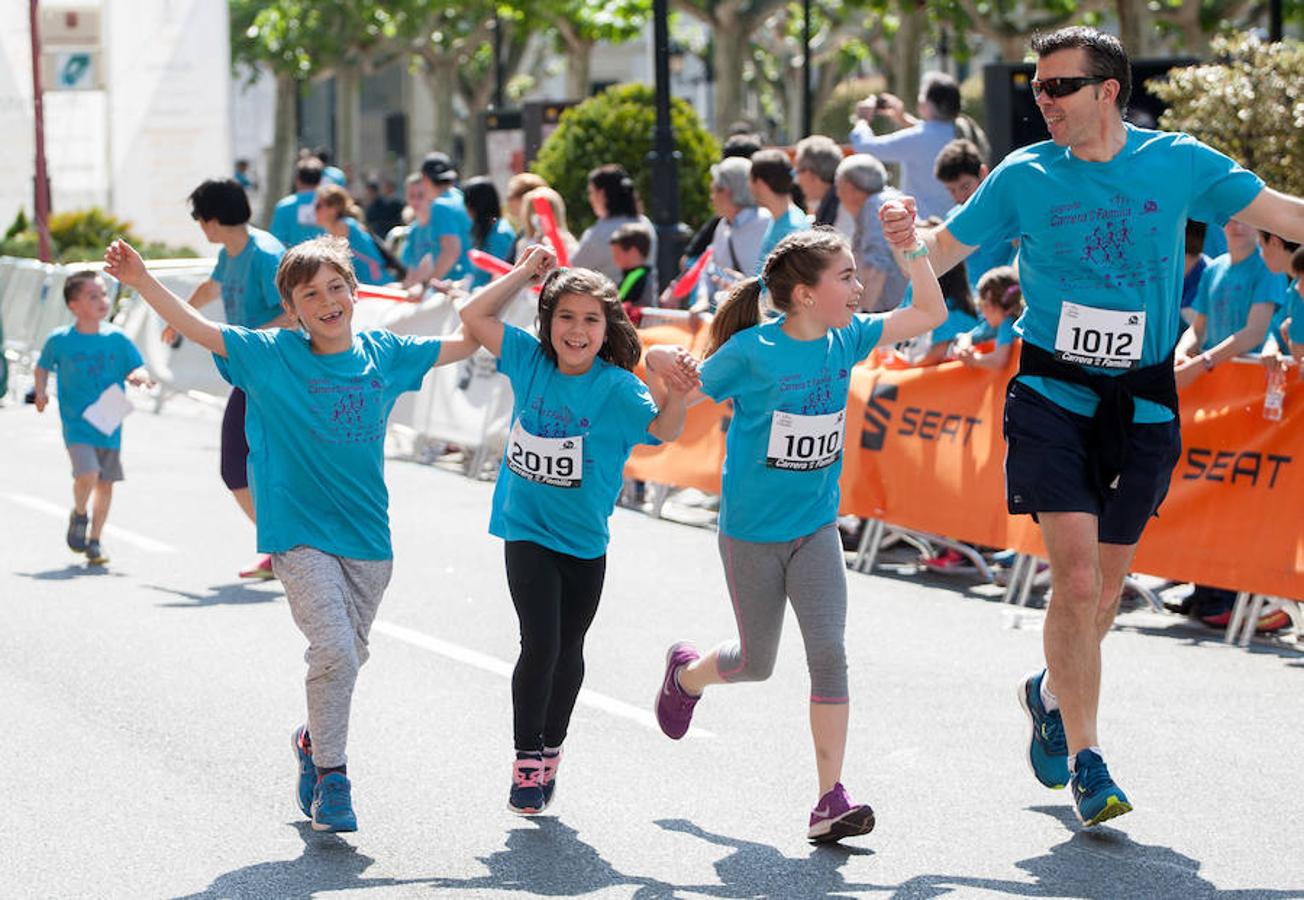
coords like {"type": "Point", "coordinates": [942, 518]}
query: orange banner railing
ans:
{"type": "Point", "coordinates": [924, 451]}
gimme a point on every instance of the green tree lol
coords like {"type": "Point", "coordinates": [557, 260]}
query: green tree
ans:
{"type": "Point", "coordinates": [1249, 104]}
{"type": "Point", "coordinates": [580, 24]}
{"type": "Point", "coordinates": [616, 127]}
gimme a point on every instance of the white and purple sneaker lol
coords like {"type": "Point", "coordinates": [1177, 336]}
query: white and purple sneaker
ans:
{"type": "Point", "coordinates": [835, 817]}
{"type": "Point", "coordinates": [675, 707]}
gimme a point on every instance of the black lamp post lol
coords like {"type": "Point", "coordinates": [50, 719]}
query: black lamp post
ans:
{"type": "Point", "coordinates": [807, 114]}
{"type": "Point", "coordinates": [664, 158]}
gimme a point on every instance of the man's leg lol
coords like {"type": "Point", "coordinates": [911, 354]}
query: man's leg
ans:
{"type": "Point", "coordinates": [100, 511]}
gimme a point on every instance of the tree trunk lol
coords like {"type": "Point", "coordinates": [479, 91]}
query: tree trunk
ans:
{"type": "Point", "coordinates": [731, 41]}
{"type": "Point", "coordinates": [348, 113]}
{"type": "Point", "coordinates": [906, 44]}
{"type": "Point", "coordinates": [279, 179]}
{"type": "Point", "coordinates": [441, 76]}
{"type": "Point", "coordinates": [1133, 27]}
{"type": "Point", "coordinates": [579, 62]}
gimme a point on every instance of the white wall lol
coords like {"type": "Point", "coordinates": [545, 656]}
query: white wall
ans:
{"type": "Point", "coordinates": [139, 147]}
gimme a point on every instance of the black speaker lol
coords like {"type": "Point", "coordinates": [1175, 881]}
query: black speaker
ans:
{"type": "Point", "coordinates": [396, 134]}
{"type": "Point", "coordinates": [1014, 121]}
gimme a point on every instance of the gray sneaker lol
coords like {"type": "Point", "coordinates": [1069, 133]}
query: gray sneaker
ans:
{"type": "Point", "coordinates": [77, 523]}
{"type": "Point", "coordinates": [94, 555]}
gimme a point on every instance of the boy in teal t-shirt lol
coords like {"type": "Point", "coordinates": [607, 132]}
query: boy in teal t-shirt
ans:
{"type": "Point", "coordinates": [89, 357]}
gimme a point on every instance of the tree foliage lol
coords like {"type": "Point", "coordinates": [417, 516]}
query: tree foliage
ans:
{"type": "Point", "coordinates": [616, 127]}
{"type": "Point", "coordinates": [1249, 104]}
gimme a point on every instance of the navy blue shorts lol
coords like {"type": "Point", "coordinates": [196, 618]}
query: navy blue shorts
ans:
{"type": "Point", "coordinates": [235, 449]}
{"type": "Point", "coordinates": [1046, 467]}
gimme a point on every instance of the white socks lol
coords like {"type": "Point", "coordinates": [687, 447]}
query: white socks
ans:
{"type": "Point", "coordinates": [1073, 758]}
{"type": "Point", "coordinates": [1048, 699]}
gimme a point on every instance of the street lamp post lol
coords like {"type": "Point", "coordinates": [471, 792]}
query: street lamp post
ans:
{"type": "Point", "coordinates": [664, 159]}
{"type": "Point", "coordinates": [42, 203]}
{"type": "Point", "coordinates": [806, 112]}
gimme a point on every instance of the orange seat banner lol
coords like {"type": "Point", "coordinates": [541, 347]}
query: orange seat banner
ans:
{"type": "Point", "coordinates": [924, 451]}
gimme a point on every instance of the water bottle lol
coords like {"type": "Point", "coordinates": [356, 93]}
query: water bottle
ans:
{"type": "Point", "coordinates": [1275, 395]}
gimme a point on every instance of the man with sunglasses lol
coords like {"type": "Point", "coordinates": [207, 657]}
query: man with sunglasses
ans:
{"type": "Point", "coordinates": [1091, 421]}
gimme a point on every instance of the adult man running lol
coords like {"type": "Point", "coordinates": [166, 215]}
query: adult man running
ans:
{"type": "Point", "coordinates": [1090, 422]}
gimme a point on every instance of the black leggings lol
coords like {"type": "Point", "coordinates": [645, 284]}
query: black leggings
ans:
{"type": "Point", "coordinates": [235, 449]}
{"type": "Point", "coordinates": [556, 597]}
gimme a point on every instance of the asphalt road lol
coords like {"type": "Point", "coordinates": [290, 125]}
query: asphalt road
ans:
{"type": "Point", "coordinates": [147, 708]}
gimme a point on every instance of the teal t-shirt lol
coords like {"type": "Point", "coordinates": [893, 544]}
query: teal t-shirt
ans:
{"type": "Point", "coordinates": [565, 459]}
{"type": "Point", "coordinates": [985, 258]}
{"type": "Point", "coordinates": [248, 280]}
{"type": "Point", "coordinates": [499, 242]}
{"type": "Point", "coordinates": [957, 322]}
{"type": "Point", "coordinates": [1106, 235]}
{"type": "Point", "coordinates": [448, 215]}
{"type": "Point", "coordinates": [1228, 290]}
{"type": "Point", "coordinates": [783, 450]}
{"type": "Point", "coordinates": [85, 365]}
{"type": "Point", "coordinates": [793, 219]}
{"type": "Point", "coordinates": [367, 261]}
{"type": "Point", "coordinates": [416, 246]}
{"type": "Point", "coordinates": [1003, 333]}
{"type": "Point", "coordinates": [294, 220]}
{"type": "Point", "coordinates": [1295, 312]}
{"type": "Point", "coordinates": [316, 430]}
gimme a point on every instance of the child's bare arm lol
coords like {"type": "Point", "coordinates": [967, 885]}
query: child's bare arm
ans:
{"type": "Point", "coordinates": [124, 263]}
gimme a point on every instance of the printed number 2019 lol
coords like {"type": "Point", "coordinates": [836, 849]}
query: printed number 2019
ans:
{"type": "Point", "coordinates": [808, 446]}
{"type": "Point", "coordinates": [561, 467]}
{"type": "Point", "coordinates": [1089, 340]}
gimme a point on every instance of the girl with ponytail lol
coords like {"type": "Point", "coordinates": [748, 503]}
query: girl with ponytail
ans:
{"type": "Point", "coordinates": [788, 379]}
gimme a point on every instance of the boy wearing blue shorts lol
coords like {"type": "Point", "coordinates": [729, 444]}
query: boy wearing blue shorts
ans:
{"type": "Point", "coordinates": [319, 398]}
{"type": "Point", "coordinates": [89, 357]}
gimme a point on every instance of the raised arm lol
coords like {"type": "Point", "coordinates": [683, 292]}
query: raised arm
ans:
{"type": "Point", "coordinates": [480, 315]}
{"type": "Point", "coordinates": [928, 309]}
{"type": "Point", "coordinates": [1276, 213]}
{"type": "Point", "coordinates": [124, 263]}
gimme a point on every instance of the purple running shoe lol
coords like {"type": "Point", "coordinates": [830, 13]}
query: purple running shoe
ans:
{"type": "Point", "coordinates": [675, 707]}
{"type": "Point", "coordinates": [836, 817]}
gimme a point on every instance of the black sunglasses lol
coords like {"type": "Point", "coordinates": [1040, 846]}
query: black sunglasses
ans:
{"type": "Point", "coordinates": [1062, 87]}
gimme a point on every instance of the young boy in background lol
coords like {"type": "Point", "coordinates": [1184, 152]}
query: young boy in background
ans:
{"type": "Point", "coordinates": [90, 356]}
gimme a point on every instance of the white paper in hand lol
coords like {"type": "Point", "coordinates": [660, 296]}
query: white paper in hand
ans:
{"type": "Point", "coordinates": [107, 413]}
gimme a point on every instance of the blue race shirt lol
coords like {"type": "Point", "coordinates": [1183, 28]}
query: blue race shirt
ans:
{"type": "Point", "coordinates": [1295, 312]}
{"type": "Point", "coordinates": [764, 372]}
{"type": "Point", "coordinates": [1003, 333]}
{"type": "Point", "coordinates": [607, 410]}
{"type": "Point", "coordinates": [793, 219]}
{"type": "Point", "coordinates": [295, 218]}
{"type": "Point", "coordinates": [1191, 280]}
{"type": "Point", "coordinates": [448, 215]}
{"type": "Point", "coordinates": [1226, 292]}
{"type": "Point", "coordinates": [316, 431]}
{"type": "Point", "coordinates": [416, 246]}
{"type": "Point", "coordinates": [367, 261]}
{"type": "Point", "coordinates": [1108, 235]}
{"type": "Point", "coordinates": [957, 322]}
{"type": "Point", "coordinates": [499, 242]}
{"type": "Point", "coordinates": [248, 280]}
{"type": "Point", "coordinates": [85, 365]}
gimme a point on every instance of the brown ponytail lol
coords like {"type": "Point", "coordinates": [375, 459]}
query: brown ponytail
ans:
{"type": "Point", "coordinates": [741, 309]}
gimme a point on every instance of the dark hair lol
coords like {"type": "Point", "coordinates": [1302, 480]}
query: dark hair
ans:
{"type": "Point", "coordinates": [301, 262]}
{"type": "Point", "coordinates": [1000, 286]}
{"type": "Point", "coordinates": [942, 91]}
{"type": "Point", "coordinates": [1195, 234]}
{"type": "Point", "coordinates": [774, 170]}
{"type": "Point", "coordinates": [617, 187]}
{"type": "Point", "coordinates": [744, 145]}
{"type": "Point", "coordinates": [1297, 262]}
{"type": "Point", "coordinates": [222, 199]}
{"type": "Point", "coordinates": [324, 154]}
{"type": "Point", "coordinates": [438, 168]}
{"type": "Point", "coordinates": [1106, 57]}
{"type": "Point", "coordinates": [72, 287]}
{"type": "Point", "coordinates": [1291, 246]}
{"type": "Point", "coordinates": [954, 283]}
{"type": "Point", "coordinates": [481, 199]}
{"type": "Point", "coordinates": [307, 171]}
{"type": "Point", "coordinates": [957, 159]}
{"type": "Point", "coordinates": [635, 235]}
{"type": "Point", "coordinates": [800, 258]}
{"type": "Point", "coordinates": [620, 346]}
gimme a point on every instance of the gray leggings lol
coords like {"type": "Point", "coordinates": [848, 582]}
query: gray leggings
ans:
{"type": "Point", "coordinates": [762, 577]}
{"type": "Point", "coordinates": [333, 601]}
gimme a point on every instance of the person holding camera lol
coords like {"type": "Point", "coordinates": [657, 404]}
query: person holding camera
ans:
{"type": "Point", "coordinates": [915, 142]}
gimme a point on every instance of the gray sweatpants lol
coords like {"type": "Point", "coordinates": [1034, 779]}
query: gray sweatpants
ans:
{"type": "Point", "coordinates": [333, 601]}
{"type": "Point", "coordinates": [762, 577]}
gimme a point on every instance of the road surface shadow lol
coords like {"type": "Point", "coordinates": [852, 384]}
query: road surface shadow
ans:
{"type": "Point", "coordinates": [328, 863]}
{"type": "Point", "coordinates": [71, 571]}
{"type": "Point", "coordinates": [237, 594]}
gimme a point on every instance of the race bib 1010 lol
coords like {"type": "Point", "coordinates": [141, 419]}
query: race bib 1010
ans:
{"type": "Point", "coordinates": [802, 443]}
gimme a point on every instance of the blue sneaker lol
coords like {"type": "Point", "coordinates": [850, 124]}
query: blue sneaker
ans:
{"type": "Point", "coordinates": [527, 797]}
{"type": "Point", "coordinates": [332, 804]}
{"type": "Point", "coordinates": [307, 771]}
{"type": "Point", "coordinates": [1048, 751]}
{"type": "Point", "coordinates": [1095, 796]}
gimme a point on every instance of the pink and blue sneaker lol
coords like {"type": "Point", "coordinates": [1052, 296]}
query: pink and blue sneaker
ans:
{"type": "Point", "coordinates": [835, 817]}
{"type": "Point", "coordinates": [674, 705]}
{"type": "Point", "coordinates": [527, 794]}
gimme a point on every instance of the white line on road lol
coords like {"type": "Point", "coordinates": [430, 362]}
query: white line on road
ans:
{"type": "Point", "coordinates": [60, 512]}
{"type": "Point", "coordinates": [498, 667]}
